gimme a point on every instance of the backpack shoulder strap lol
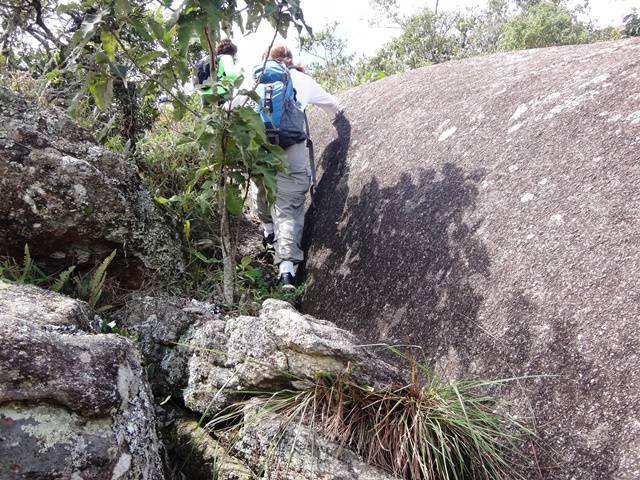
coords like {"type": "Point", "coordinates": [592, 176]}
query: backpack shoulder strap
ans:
{"type": "Point", "coordinates": [289, 82]}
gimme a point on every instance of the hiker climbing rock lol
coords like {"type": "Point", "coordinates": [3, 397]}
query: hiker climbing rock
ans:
{"type": "Point", "coordinates": [285, 91]}
{"type": "Point", "coordinates": [227, 70]}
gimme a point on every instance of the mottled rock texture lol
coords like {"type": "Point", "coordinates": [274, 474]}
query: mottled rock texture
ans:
{"type": "Point", "coordinates": [71, 200]}
{"type": "Point", "coordinates": [192, 351]}
{"type": "Point", "coordinates": [204, 457]}
{"type": "Point", "coordinates": [73, 405]}
{"type": "Point", "coordinates": [288, 450]}
{"type": "Point", "coordinates": [279, 349]}
{"type": "Point", "coordinates": [164, 328]}
{"type": "Point", "coordinates": [487, 210]}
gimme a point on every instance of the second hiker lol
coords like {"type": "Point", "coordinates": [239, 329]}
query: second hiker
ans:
{"type": "Point", "coordinates": [226, 70]}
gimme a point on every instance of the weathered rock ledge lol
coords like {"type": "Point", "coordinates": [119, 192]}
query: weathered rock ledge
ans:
{"type": "Point", "coordinates": [76, 404]}
{"type": "Point", "coordinates": [209, 363]}
{"type": "Point", "coordinates": [71, 200]}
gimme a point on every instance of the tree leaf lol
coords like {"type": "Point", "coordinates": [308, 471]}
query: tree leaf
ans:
{"type": "Point", "coordinates": [185, 33]}
{"type": "Point", "coordinates": [178, 110]}
{"type": "Point", "coordinates": [267, 178]}
{"type": "Point", "coordinates": [118, 70]}
{"type": "Point", "coordinates": [213, 16]}
{"type": "Point", "coordinates": [88, 29]}
{"type": "Point", "coordinates": [141, 29]}
{"type": "Point", "coordinates": [233, 200]}
{"type": "Point", "coordinates": [149, 57]}
{"type": "Point", "coordinates": [186, 227]}
{"type": "Point", "coordinates": [157, 29]}
{"type": "Point", "coordinates": [207, 139]}
{"type": "Point", "coordinates": [122, 8]}
{"type": "Point", "coordinates": [109, 44]}
{"type": "Point", "coordinates": [101, 58]}
{"type": "Point", "coordinates": [101, 87]}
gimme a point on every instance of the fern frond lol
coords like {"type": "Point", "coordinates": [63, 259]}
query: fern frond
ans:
{"type": "Point", "coordinates": [27, 265]}
{"type": "Point", "coordinates": [96, 283]}
{"type": "Point", "coordinates": [62, 279]}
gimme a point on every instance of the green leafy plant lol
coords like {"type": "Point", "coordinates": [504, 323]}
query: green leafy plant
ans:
{"type": "Point", "coordinates": [249, 274]}
{"type": "Point", "coordinates": [27, 273]}
{"type": "Point", "coordinates": [543, 24]}
{"type": "Point", "coordinates": [107, 62]}
{"type": "Point", "coordinates": [231, 143]}
{"type": "Point", "coordinates": [112, 327]}
{"type": "Point", "coordinates": [63, 279]}
{"type": "Point", "coordinates": [256, 284]}
{"type": "Point", "coordinates": [27, 265]}
{"type": "Point", "coordinates": [89, 287]}
{"type": "Point", "coordinates": [632, 24]}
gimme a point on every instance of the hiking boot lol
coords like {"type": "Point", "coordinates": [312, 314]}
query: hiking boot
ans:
{"type": "Point", "coordinates": [287, 281]}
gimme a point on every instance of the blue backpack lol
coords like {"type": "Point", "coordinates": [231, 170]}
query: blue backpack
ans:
{"type": "Point", "coordinates": [278, 106]}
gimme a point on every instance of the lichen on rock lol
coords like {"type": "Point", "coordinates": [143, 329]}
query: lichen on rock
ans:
{"type": "Point", "coordinates": [73, 201]}
{"type": "Point", "coordinates": [72, 404]}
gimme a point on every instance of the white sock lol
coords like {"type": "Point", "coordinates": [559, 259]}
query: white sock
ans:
{"type": "Point", "coordinates": [287, 267]}
{"type": "Point", "coordinates": [267, 228]}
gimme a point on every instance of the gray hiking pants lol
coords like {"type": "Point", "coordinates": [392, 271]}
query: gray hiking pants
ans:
{"type": "Point", "coordinates": [287, 214]}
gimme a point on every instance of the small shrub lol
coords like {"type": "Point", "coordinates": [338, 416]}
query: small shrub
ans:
{"type": "Point", "coordinates": [632, 24]}
{"type": "Point", "coordinates": [182, 184]}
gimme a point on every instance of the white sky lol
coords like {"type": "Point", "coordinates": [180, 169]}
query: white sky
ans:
{"type": "Point", "coordinates": [353, 17]}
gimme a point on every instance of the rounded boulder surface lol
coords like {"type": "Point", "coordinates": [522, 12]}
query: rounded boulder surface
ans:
{"type": "Point", "coordinates": [486, 210]}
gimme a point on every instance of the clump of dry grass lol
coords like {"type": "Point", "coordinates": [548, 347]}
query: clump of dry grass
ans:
{"type": "Point", "coordinates": [427, 429]}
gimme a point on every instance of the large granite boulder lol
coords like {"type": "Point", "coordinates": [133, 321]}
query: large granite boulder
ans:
{"type": "Point", "coordinates": [487, 211]}
{"type": "Point", "coordinates": [71, 200]}
{"type": "Point", "coordinates": [73, 405]}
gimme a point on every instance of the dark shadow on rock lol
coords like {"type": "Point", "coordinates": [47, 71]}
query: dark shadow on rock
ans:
{"type": "Point", "coordinates": [433, 297]}
{"type": "Point", "coordinates": [332, 189]}
{"type": "Point", "coordinates": [426, 298]}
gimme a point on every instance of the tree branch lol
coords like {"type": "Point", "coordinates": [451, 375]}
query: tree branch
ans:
{"type": "Point", "coordinates": [38, 36]}
{"type": "Point", "coordinates": [126, 53]}
{"type": "Point", "coordinates": [40, 22]}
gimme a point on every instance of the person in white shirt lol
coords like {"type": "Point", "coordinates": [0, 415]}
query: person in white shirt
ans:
{"type": "Point", "coordinates": [283, 223]}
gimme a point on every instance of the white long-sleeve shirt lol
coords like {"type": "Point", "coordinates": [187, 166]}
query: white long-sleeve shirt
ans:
{"type": "Point", "coordinates": [308, 91]}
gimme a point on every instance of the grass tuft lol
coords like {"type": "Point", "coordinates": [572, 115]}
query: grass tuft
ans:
{"type": "Point", "coordinates": [427, 429]}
